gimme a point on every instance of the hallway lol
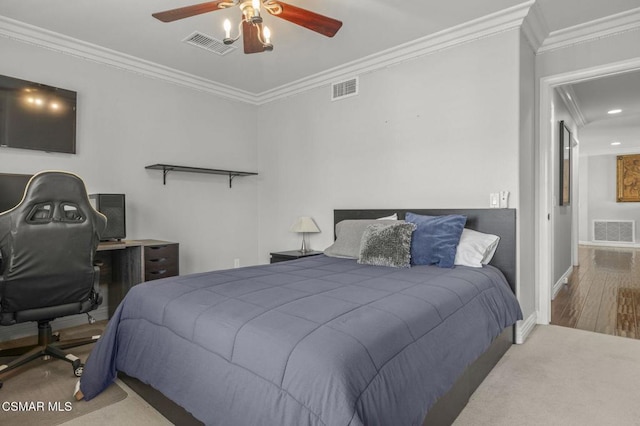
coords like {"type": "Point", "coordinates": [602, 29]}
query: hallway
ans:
{"type": "Point", "coordinates": [603, 294]}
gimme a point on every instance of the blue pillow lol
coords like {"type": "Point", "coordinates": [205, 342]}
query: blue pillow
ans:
{"type": "Point", "coordinates": [435, 239]}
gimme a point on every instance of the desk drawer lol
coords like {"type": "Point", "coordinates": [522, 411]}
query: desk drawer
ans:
{"type": "Point", "coordinates": [159, 273]}
{"type": "Point", "coordinates": [161, 261]}
{"type": "Point", "coordinates": [167, 251]}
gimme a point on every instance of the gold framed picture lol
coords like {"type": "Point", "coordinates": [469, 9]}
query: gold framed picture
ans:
{"type": "Point", "coordinates": [628, 178]}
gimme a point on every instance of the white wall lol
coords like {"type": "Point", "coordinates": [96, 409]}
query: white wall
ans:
{"type": "Point", "coordinates": [583, 200]}
{"type": "Point", "coordinates": [526, 210]}
{"type": "Point", "coordinates": [127, 121]}
{"type": "Point", "coordinates": [437, 131]}
{"type": "Point", "coordinates": [600, 186]}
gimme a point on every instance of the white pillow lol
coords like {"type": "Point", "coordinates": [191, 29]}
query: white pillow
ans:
{"type": "Point", "coordinates": [349, 236]}
{"type": "Point", "coordinates": [392, 217]}
{"type": "Point", "coordinates": [475, 248]}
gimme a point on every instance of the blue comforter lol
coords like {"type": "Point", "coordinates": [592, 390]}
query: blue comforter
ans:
{"type": "Point", "coordinates": [316, 341]}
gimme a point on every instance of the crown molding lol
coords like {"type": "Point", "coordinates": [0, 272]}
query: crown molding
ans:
{"type": "Point", "coordinates": [40, 37]}
{"type": "Point", "coordinates": [501, 21]}
{"type": "Point", "coordinates": [570, 100]}
{"type": "Point", "coordinates": [535, 28]}
{"type": "Point", "coordinates": [504, 20]}
{"type": "Point", "coordinates": [596, 29]}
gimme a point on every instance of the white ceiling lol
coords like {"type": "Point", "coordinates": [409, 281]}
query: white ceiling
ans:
{"type": "Point", "coordinates": [594, 98]}
{"type": "Point", "coordinates": [560, 14]}
{"type": "Point", "coordinates": [369, 27]}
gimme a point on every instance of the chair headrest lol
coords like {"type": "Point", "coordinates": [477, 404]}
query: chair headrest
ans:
{"type": "Point", "coordinates": [57, 196]}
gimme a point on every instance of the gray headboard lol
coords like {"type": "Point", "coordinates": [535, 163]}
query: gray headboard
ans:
{"type": "Point", "coordinates": [501, 222]}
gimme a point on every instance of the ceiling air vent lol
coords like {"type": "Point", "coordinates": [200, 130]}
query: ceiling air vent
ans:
{"type": "Point", "coordinates": [344, 89]}
{"type": "Point", "coordinates": [209, 43]}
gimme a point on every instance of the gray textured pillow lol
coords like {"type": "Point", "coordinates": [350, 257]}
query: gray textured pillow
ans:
{"type": "Point", "coordinates": [387, 245]}
{"type": "Point", "coordinates": [349, 235]}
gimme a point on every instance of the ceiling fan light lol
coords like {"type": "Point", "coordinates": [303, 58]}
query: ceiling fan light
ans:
{"type": "Point", "coordinates": [267, 35]}
{"type": "Point", "coordinates": [250, 26]}
{"type": "Point", "coordinates": [256, 18]}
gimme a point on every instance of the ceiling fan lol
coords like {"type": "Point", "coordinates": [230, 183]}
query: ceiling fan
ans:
{"type": "Point", "coordinates": [256, 38]}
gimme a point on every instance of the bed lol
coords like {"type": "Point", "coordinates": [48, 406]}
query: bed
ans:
{"type": "Point", "coordinates": [318, 340]}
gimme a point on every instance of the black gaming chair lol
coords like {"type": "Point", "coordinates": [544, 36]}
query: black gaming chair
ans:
{"type": "Point", "coordinates": [47, 244]}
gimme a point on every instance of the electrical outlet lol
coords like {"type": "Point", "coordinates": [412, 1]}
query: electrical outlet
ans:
{"type": "Point", "coordinates": [236, 263]}
{"type": "Point", "coordinates": [494, 200]}
{"type": "Point", "coordinates": [504, 199]}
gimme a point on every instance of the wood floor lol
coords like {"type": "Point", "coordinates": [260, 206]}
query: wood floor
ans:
{"type": "Point", "coordinates": [603, 293]}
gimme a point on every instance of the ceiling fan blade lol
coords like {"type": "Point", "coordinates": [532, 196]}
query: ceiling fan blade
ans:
{"type": "Point", "coordinates": [252, 43]}
{"type": "Point", "coordinates": [187, 11]}
{"type": "Point", "coordinates": [310, 20]}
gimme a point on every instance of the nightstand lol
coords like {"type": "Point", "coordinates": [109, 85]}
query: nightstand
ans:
{"type": "Point", "coordinates": [283, 256]}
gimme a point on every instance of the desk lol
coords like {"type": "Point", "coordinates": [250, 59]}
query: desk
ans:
{"type": "Point", "coordinates": [126, 263]}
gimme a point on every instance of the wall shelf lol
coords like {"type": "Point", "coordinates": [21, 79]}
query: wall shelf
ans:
{"type": "Point", "coordinates": [166, 168]}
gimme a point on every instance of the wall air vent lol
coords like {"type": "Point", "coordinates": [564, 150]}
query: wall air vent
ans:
{"type": "Point", "coordinates": [344, 89]}
{"type": "Point", "coordinates": [614, 231]}
{"type": "Point", "coordinates": [209, 43]}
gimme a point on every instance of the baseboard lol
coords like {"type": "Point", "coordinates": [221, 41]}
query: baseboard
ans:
{"type": "Point", "coordinates": [26, 329]}
{"type": "Point", "coordinates": [564, 279]}
{"type": "Point", "coordinates": [525, 327]}
{"type": "Point", "coordinates": [609, 244]}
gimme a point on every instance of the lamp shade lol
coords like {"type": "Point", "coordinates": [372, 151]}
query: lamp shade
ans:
{"type": "Point", "coordinates": [304, 224]}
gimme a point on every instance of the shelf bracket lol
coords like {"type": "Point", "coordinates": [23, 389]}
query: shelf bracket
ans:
{"type": "Point", "coordinates": [231, 176]}
{"type": "Point", "coordinates": [165, 172]}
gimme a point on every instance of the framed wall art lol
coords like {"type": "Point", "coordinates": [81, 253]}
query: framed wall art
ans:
{"type": "Point", "coordinates": [565, 165]}
{"type": "Point", "coordinates": [628, 178]}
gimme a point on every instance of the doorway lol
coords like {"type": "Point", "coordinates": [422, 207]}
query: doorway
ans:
{"type": "Point", "coordinates": [545, 161]}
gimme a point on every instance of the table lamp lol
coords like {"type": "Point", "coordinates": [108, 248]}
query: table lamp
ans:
{"type": "Point", "coordinates": [303, 225]}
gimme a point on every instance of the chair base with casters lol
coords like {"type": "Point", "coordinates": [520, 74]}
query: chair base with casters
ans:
{"type": "Point", "coordinates": [48, 346]}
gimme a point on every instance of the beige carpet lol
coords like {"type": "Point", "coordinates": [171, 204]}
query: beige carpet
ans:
{"type": "Point", "coordinates": [561, 376]}
{"type": "Point", "coordinates": [47, 388]}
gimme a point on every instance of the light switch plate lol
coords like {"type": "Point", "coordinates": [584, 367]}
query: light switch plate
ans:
{"type": "Point", "coordinates": [494, 200]}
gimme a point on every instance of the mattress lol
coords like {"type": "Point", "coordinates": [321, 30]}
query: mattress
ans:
{"type": "Point", "coordinates": [315, 341]}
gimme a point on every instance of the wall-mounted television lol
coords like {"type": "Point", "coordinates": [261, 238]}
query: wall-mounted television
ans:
{"type": "Point", "coordinates": [37, 116]}
{"type": "Point", "coordinates": [12, 188]}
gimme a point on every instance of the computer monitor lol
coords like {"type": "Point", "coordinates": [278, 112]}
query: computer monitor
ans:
{"type": "Point", "coordinates": [12, 189]}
